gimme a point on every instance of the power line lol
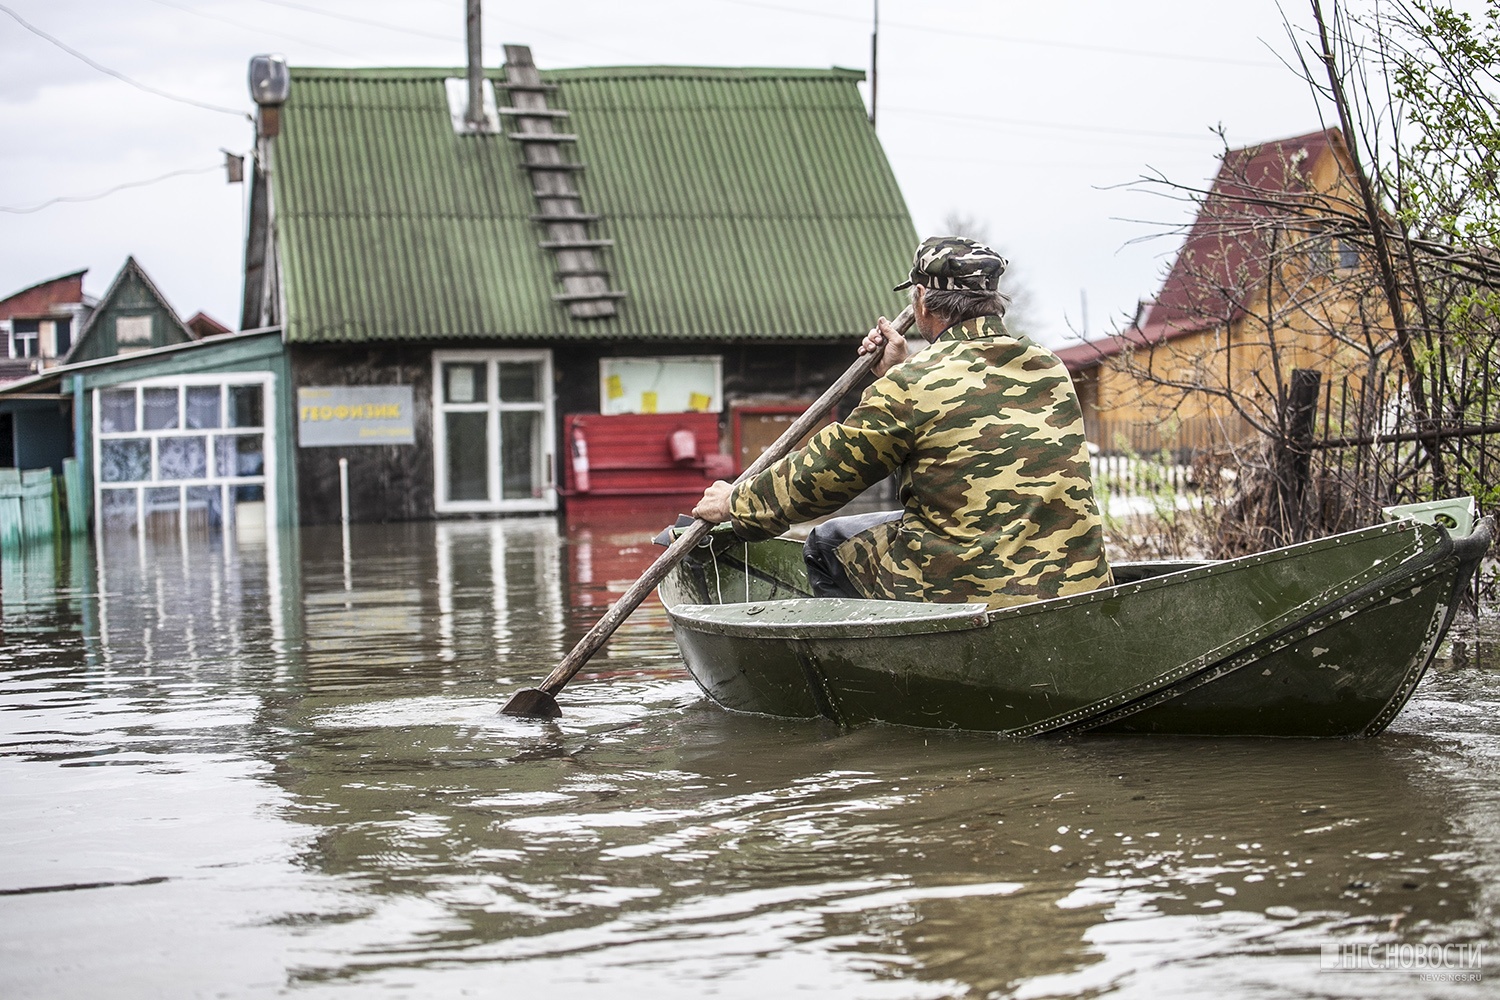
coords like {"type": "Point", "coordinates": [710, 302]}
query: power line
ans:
{"type": "Point", "coordinates": [1031, 123]}
{"type": "Point", "coordinates": [116, 73]}
{"type": "Point", "coordinates": [402, 29]}
{"type": "Point", "coordinates": [104, 194]}
{"type": "Point", "coordinates": [362, 20]}
{"type": "Point", "coordinates": [257, 28]}
{"type": "Point", "coordinates": [1015, 39]}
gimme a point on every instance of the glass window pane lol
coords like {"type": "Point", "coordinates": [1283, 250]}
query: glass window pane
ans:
{"type": "Point", "coordinates": [659, 385]}
{"type": "Point", "coordinates": [249, 512]}
{"type": "Point", "coordinates": [117, 410]}
{"type": "Point", "coordinates": [203, 406]}
{"type": "Point", "coordinates": [117, 508]}
{"type": "Point", "coordinates": [245, 406]}
{"type": "Point", "coordinates": [520, 455]}
{"type": "Point", "coordinates": [464, 383]}
{"type": "Point", "coordinates": [163, 507]}
{"type": "Point", "coordinates": [124, 460]}
{"type": "Point", "coordinates": [24, 336]}
{"type": "Point", "coordinates": [468, 448]}
{"type": "Point", "coordinates": [160, 497]}
{"type": "Point", "coordinates": [159, 409]}
{"type": "Point", "coordinates": [182, 458]}
{"type": "Point", "coordinates": [205, 507]}
{"type": "Point", "coordinates": [249, 455]}
{"type": "Point", "coordinates": [133, 330]}
{"type": "Point", "coordinates": [240, 455]}
{"type": "Point", "coordinates": [520, 382]}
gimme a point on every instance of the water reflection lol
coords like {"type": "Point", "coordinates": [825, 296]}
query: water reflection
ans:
{"type": "Point", "coordinates": [260, 768]}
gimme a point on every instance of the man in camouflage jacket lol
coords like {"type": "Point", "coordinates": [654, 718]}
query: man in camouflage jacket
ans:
{"type": "Point", "coordinates": [985, 435]}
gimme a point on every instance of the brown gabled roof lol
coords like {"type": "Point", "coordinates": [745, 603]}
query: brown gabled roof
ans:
{"type": "Point", "coordinates": [41, 298]}
{"type": "Point", "coordinates": [203, 325]}
{"type": "Point", "coordinates": [1223, 259]}
{"type": "Point", "coordinates": [1224, 256]}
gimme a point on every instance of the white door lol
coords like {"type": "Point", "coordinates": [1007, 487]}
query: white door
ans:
{"type": "Point", "coordinates": [492, 431]}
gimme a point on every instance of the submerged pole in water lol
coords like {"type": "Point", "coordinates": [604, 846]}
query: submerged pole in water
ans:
{"type": "Point", "coordinates": [344, 522]}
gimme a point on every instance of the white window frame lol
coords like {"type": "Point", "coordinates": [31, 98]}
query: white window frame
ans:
{"type": "Point", "coordinates": [18, 338]}
{"type": "Point", "coordinates": [493, 408]}
{"type": "Point", "coordinates": [223, 380]}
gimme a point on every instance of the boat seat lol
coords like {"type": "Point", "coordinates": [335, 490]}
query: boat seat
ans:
{"type": "Point", "coordinates": [831, 618]}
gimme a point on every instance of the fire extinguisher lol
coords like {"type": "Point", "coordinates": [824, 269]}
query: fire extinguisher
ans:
{"type": "Point", "coordinates": [580, 461]}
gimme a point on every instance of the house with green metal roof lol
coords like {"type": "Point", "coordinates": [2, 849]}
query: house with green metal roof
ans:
{"type": "Point", "coordinates": [660, 245]}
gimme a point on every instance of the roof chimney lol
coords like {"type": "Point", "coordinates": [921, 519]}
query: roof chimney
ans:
{"type": "Point", "coordinates": [475, 117]}
{"type": "Point", "coordinates": [270, 83]}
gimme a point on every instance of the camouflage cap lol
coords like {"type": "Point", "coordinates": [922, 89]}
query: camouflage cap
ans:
{"type": "Point", "coordinates": [954, 263]}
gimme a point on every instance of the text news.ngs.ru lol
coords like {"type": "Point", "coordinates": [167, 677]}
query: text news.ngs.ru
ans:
{"type": "Point", "coordinates": [1447, 963]}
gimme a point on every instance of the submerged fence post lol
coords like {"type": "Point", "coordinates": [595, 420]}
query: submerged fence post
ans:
{"type": "Point", "coordinates": [10, 509]}
{"type": "Point", "coordinates": [1294, 450]}
{"type": "Point", "coordinates": [77, 501]}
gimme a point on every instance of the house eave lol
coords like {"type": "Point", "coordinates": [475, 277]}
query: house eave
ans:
{"type": "Point", "coordinates": [54, 376]}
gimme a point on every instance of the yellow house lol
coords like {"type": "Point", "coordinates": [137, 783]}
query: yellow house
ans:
{"type": "Point", "coordinates": [1271, 278]}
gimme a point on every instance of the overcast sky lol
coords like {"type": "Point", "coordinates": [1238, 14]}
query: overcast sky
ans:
{"type": "Point", "coordinates": [1025, 117]}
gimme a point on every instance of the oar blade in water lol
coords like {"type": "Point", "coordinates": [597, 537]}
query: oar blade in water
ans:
{"type": "Point", "coordinates": [532, 703]}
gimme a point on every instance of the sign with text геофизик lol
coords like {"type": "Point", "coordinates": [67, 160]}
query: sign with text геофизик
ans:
{"type": "Point", "coordinates": [354, 415]}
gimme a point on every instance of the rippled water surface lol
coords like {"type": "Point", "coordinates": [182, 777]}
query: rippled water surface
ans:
{"type": "Point", "coordinates": [279, 769]}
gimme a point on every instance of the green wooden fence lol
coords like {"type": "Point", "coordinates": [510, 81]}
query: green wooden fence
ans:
{"type": "Point", "coordinates": [30, 508]}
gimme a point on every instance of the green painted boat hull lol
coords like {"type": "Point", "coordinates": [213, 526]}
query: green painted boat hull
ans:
{"type": "Point", "coordinates": [1327, 638]}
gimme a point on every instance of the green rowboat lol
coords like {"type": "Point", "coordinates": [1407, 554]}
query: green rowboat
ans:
{"type": "Point", "coordinates": [1325, 638]}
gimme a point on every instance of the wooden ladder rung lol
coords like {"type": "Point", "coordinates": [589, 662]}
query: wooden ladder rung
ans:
{"type": "Point", "coordinates": [587, 296]}
{"type": "Point", "coordinates": [534, 88]}
{"type": "Point", "coordinates": [575, 244]}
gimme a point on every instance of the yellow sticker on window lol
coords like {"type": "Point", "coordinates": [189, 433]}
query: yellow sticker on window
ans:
{"type": "Point", "coordinates": [648, 402]}
{"type": "Point", "coordinates": [613, 388]}
{"type": "Point", "coordinates": [698, 401]}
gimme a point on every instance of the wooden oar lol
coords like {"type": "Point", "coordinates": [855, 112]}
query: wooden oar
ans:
{"type": "Point", "coordinates": [541, 702]}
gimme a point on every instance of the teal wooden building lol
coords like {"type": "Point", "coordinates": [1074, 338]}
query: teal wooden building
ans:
{"type": "Point", "coordinates": [174, 434]}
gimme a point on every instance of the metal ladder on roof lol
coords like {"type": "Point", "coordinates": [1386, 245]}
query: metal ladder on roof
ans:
{"type": "Point", "coordinates": [560, 211]}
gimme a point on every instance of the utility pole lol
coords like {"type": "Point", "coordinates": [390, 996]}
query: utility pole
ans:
{"type": "Point", "coordinates": [474, 117]}
{"type": "Point", "coordinates": [874, 63]}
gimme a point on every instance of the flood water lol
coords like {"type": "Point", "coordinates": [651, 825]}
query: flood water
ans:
{"type": "Point", "coordinates": [277, 768]}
